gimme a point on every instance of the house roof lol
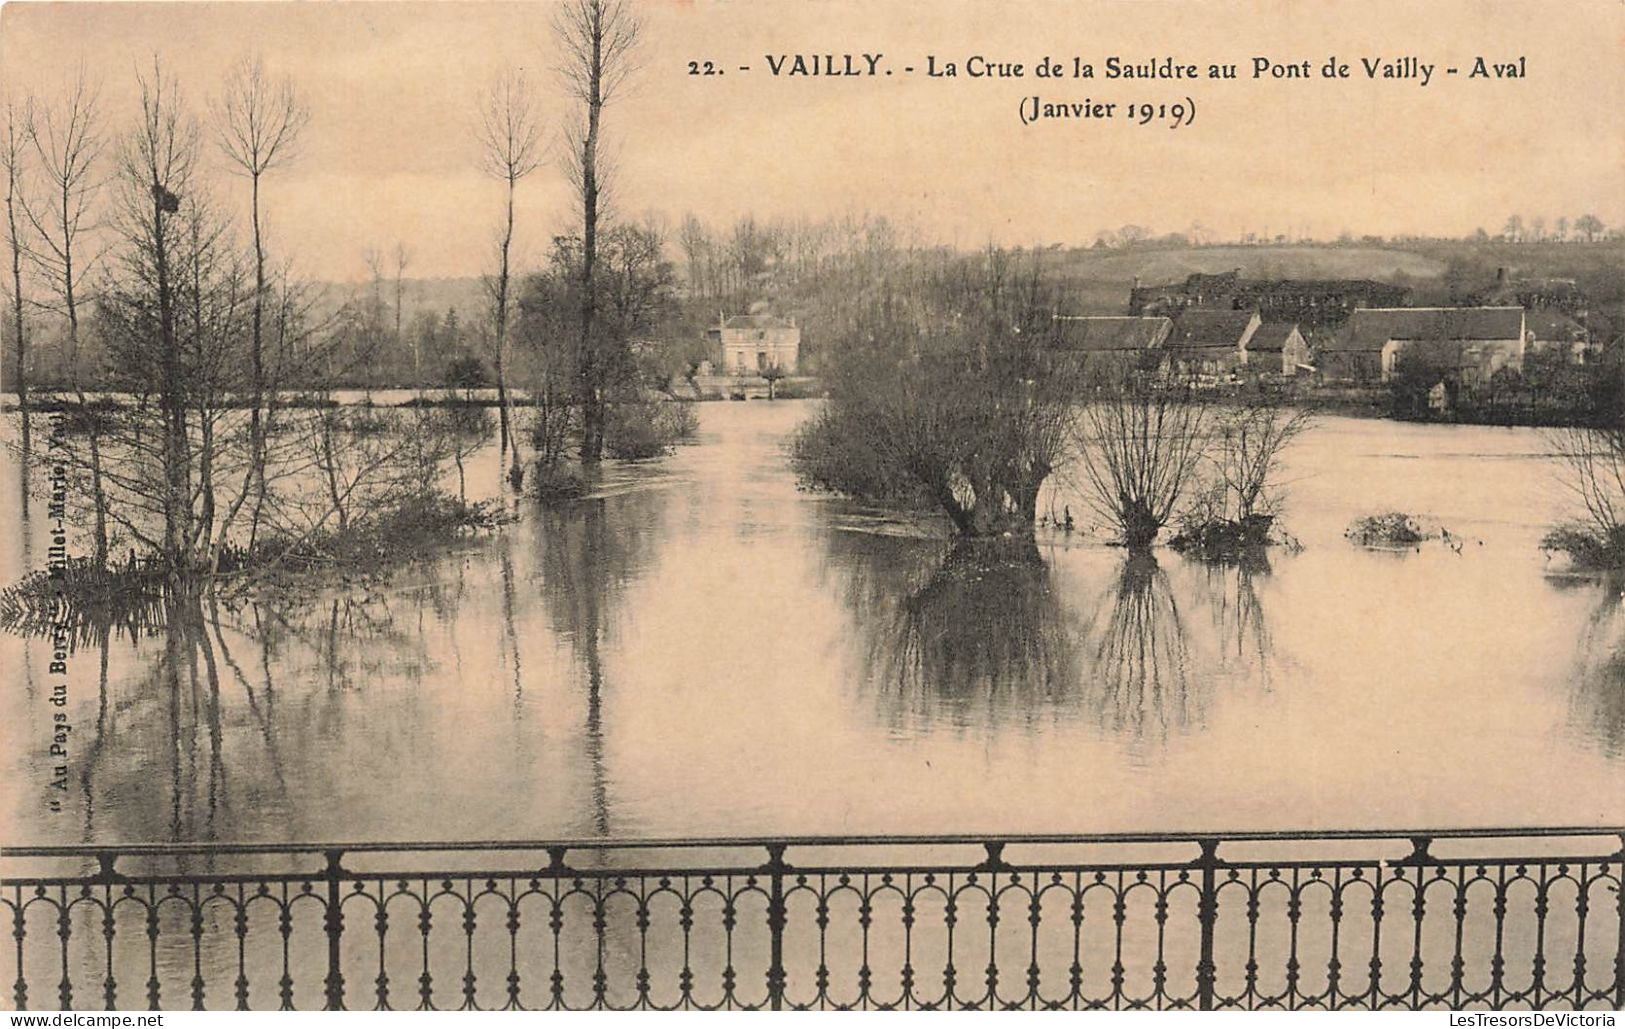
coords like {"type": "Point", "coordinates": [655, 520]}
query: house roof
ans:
{"type": "Point", "coordinates": [1200, 327]}
{"type": "Point", "coordinates": [1272, 336]}
{"type": "Point", "coordinates": [1370, 328]}
{"type": "Point", "coordinates": [1103, 333]}
{"type": "Point", "coordinates": [1546, 324]}
{"type": "Point", "coordinates": [756, 321]}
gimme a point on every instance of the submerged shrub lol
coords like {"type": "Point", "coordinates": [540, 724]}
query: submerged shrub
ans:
{"type": "Point", "coordinates": [642, 430]}
{"type": "Point", "coordinates": [943, 384]}
{"type": "Point", "coordinates": [830, 453]}
{"type": "Point", "coordinates": [555, 482]}
{"type": "Point", "coordinates": [1227, 539]}
{"type": "Point", "coordinates": [1393, 529]}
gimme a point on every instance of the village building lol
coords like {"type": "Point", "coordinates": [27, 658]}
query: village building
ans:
{"type": "Point", "coordinates": [1111, 344]}
{"type": "Point", "coordinates": [1277, 348]}
{"type": "Point", "coordinates": [1311, 303]}
{"type": "Point", "coordinates": [1209, 344]}
{"type": "Point", "coordinates": [1466, 344]}
{"type": "Point", "coordinates": [749, 344]}
{"type": "Point", "coordinates": [1552, 332]}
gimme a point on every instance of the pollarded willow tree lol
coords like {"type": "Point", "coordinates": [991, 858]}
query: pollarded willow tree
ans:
{"type": "Point", "coordinates": [945, 391]}
{"type": "Point", "coordinates": [1591, 471]}
{"type": "Point", "coordinates": [1140, 439]}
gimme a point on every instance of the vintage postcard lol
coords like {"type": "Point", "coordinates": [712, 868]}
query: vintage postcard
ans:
{"type": "Point", "coordinates": [684, 504]}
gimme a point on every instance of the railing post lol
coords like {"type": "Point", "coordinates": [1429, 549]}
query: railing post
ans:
{"type": "Point", "coordinates": [775, 925]}
{"type": "Point", "coordinates": [335, 931]}
{"type": "Point", "coordinates": [1619, 951]}
{"type": "Point", "coordinates": [105, 872]}
{"type": "Point", "coordinates": [1207, 913]}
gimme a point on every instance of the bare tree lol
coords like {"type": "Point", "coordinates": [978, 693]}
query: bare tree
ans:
{"type": "Point", "coordinates": [145, 309]}
{"type": "Point", "coordinates": [403, 259]}
{"type": "Point", "coordinates": [598, 40]}
{"type": "Point", "coordinates": [11, 158]}
{"type": "Point", "coordinates": [511, 148]}
{"type": "Point", "coordinates": [1248, 441]}
{"type": "Point", "coordinates": [67, 141]}
{"type": "Point", "coordinates": [257, 121]}
{"type": "Point", "coordinates": [1140, 444]}
{"type": "Point", "coordinates": [1591, 469]}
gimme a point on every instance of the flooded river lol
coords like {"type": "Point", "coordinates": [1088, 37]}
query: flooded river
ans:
{"type": "Point", "coordinates": [701, 648]}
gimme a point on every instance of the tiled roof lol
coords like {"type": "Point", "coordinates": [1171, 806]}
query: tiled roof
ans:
{"type": "Point", "coordinates": [1272, 336]}
{"type": "Point", "coordinates": [1369, 328]}
{"type": "Point", "coordinates": [1102, 333]}
{"type": "Point", "coordinates": [1200, 327]}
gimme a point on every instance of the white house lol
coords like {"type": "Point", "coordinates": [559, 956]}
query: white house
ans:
{"type": "Point", "coordinates": [748, 344]}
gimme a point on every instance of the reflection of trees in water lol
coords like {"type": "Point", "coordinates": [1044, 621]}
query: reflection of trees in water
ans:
{"type": "Point", "coordinates": [590, 552]}
{"type": "Point", "coordinates": [1597, 701]}
{"type": "Point", "coordinates": [987, 628]}
{"type": "Point", "coordinates": [509, 647]}
{"type": "Point", "coordinates": [988, 634]}
{"type": "Point", "coordinates": [982, 634]}
{"type": "Point", "coordinates": [1245, 643]}
{"type": "Point", "coordinates": [161, 758]}
{"type": "Point", "coordinates": [1141, 682]}
{"type": "Point", "coordinates": [172, 727]}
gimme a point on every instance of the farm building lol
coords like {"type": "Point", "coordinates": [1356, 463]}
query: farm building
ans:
{"type": "Point", "coordinates": [1209, 343]}
{"type": "Point", "coordinates": [1277, 348]}
{"type": "Point", "coordinates": [1469, 344]}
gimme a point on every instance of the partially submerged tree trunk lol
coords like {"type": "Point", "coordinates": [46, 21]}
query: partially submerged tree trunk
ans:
{"type": "Point", "coordinates": [598, 38]}
{"type": "Point", "coordinates": [510, 138]}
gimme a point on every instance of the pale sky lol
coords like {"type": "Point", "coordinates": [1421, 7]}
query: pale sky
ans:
{"type": "Point", "coordinates": [389, 153]}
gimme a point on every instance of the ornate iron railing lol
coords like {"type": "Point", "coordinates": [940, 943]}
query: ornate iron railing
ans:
{"type": "Point", "coordinates": [1472, 918]}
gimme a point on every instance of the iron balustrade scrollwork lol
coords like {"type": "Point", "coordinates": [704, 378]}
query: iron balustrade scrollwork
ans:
{"type": "Point", "coordinates": [1491, 918]}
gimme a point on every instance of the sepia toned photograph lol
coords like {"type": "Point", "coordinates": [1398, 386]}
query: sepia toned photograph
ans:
{"type": "Point", "coordinates": [771, 505]}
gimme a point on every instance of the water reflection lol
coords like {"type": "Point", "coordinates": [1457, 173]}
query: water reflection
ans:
{"type": "Point", "coordinates": [590, 551]}
{"type": "Point", "coordinates": [1598, 699]}
{"type": "Point", "coordinates": [1246, 646]}
{"type": "Point", "coordinates": [1142, 683]}
{"type": "Point", "coordinates": [985, 631]}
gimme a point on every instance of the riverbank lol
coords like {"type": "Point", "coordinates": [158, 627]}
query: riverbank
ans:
{"type": "Point", "coordinates": [1365, 402]}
